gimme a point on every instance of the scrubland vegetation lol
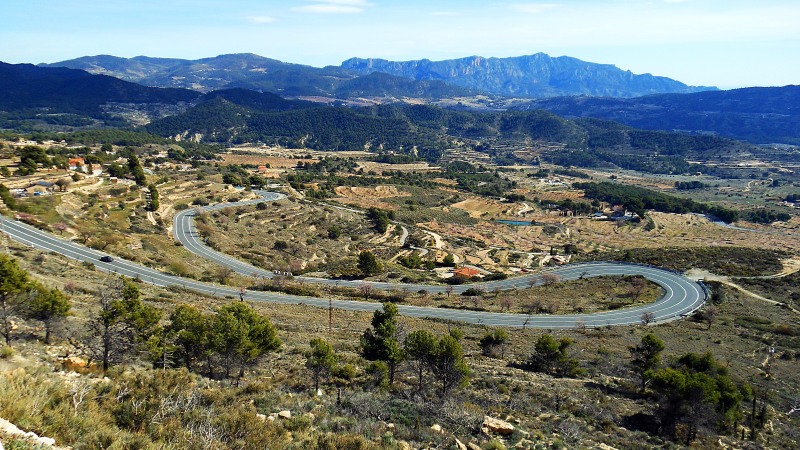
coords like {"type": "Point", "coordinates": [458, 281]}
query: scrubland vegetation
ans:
{"type": "Point", "coordinates": [96, 361]}
{"type": "Point", "coordinates": [386, 379]}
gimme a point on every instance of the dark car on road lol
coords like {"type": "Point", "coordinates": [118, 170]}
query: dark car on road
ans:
{"type": "Point", "coordinates": [106, 258]}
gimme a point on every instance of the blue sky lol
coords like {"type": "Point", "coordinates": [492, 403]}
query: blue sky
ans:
{"type": "Point", "coordinates": [725, 43]}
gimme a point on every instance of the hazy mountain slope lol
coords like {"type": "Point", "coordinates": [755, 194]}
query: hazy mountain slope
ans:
{"type": "Point", "coordinates": [389, 85]}
{"type": "Point", "coordinates": [203, 74]}
{"type": "Point", "coordinates": [758, 115]}
{"type": "Point", "coordinates": [128, 69]}
{"type": "Point", "coordinates": [537, 75]}
{"type": "Point", "coordinates": [258, 73]}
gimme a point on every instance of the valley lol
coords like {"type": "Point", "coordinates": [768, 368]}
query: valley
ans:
{"type": "Point", "coordinates": [238, 252]}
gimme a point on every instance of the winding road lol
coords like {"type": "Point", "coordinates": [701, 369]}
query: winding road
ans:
{"type": "Point", "coordinates": [681, 297]}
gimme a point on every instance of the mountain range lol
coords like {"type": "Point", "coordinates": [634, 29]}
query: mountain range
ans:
{"type": "Point", "coordinates": [31, 95]}
{"type": "Point", "coordinates": [255, 72]}
{"type": "Point", "coordinates": [533, 76]}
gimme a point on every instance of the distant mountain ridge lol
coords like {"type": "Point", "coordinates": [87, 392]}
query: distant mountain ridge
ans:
{"type": "Point", "coordinates": [255, 72]}
{"type": "Point", "coordinates": [537, 76]}
{"type": "Point", "coordinates": [47, 98]}
{"type": "Point", "coordinates": [761, 115]}
{"type": "Point", "coordinates": [28, 92]}
{"type": "Point", "coordinates": [534, 76]}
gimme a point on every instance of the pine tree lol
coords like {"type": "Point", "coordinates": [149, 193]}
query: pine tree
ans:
{"type": "Point", "coordinates": [321, 360]}
{"type": "Point", "coordinates": [492, 341]}
{"type": "Point", "coordinates": [240, 336]}
{"type": "Point", "coordinates": [368, 264]}
{"type": "Point", "coordinates": [136, 170]}
{"type": "Point", "coordinates": [381, 342]}
{"type": "Point", "coordinates": [646, 356]}
{"type": "Point", "coordinates": [121, 324]}
{"type": "Point", "coordinates": [48, 306]}
{"type": "Point", "coordinates": [696, 391]}
{"type": "Point", "coordinates": [189, 330]}
{"type": "Point", "coordinates": [552, 357]}
{"type": "Point", "coordinates": [419, 347]}
{"type": "Point", "coordinates": [448, 365]}
{"type": "Point", "coordinates": [13, 285]}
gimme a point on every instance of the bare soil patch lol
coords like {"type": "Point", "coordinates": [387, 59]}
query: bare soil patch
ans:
{"type": "Point", "coordinates": [480, 207]}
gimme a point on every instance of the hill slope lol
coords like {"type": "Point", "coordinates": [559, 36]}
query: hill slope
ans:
{"type": "Point", "coordinates": [758, 115]}
{"type": "Point", "coordinates": [537, 75]}
{"type": "Point", "coordinates": [428, 131]}
{"type": "Point", "coordinates": [25, 86]}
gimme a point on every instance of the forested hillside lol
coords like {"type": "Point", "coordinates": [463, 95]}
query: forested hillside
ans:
{"type": "Point", "coordinates": [25, 86]}
{"type": "Point", "coordinates": [758, 115]}
{"type": "Point", "coordinates": [233, 117]}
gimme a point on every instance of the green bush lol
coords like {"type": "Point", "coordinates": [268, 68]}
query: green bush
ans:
{"type": "Point", "coordinates": [6, 352]}
{"type": "Point", "coordinates": [346, 372]}
{"type": "Point", "coordinates": [494, 444]}
{"type": "Point", "coordinates": [379, 372]}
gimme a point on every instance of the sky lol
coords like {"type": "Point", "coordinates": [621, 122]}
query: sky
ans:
{"type": "Point", "coordinates": [723, 43]}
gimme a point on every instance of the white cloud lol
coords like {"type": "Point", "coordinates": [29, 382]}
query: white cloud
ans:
{"type": "Point", "coordinates": [344, 2]}
{"type": "Point", "coordinates": [260, 20]}
{"type": "Point", "coordinates": [533, 8]}
{"type": "Point", "coordinates": [334, 7]}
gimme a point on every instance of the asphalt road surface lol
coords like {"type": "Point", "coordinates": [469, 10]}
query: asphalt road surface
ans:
{"type": "Point", "coordinates": [681, 297]}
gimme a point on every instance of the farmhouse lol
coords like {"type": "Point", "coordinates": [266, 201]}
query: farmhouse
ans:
{"type": "Point", "coordinates": [77, 163]}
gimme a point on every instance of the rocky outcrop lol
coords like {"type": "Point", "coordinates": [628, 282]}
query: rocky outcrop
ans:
{"type": "Point", "coordinates": [497, 426]}
{"type": "Point", "coordinates": [9, 428]}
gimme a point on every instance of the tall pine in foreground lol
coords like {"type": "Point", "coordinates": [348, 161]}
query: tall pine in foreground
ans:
{"type": "Point", "coordinates": [380, 343]}
{"type": "Point", "coordinates": [48, 306]}
{"type": "Point", "coordinates": [645, 357]}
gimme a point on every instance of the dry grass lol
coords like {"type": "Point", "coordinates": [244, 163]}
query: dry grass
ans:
{"type": "Point", "coordinates": [569, 297]}
{"type": "Point", "coordinates": [291, 236]}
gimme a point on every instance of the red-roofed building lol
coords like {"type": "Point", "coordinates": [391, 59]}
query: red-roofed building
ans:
{"type": "Point", "coordinates": [466, 272]}
{"type": "Point", "coordinates": [75, 163]}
